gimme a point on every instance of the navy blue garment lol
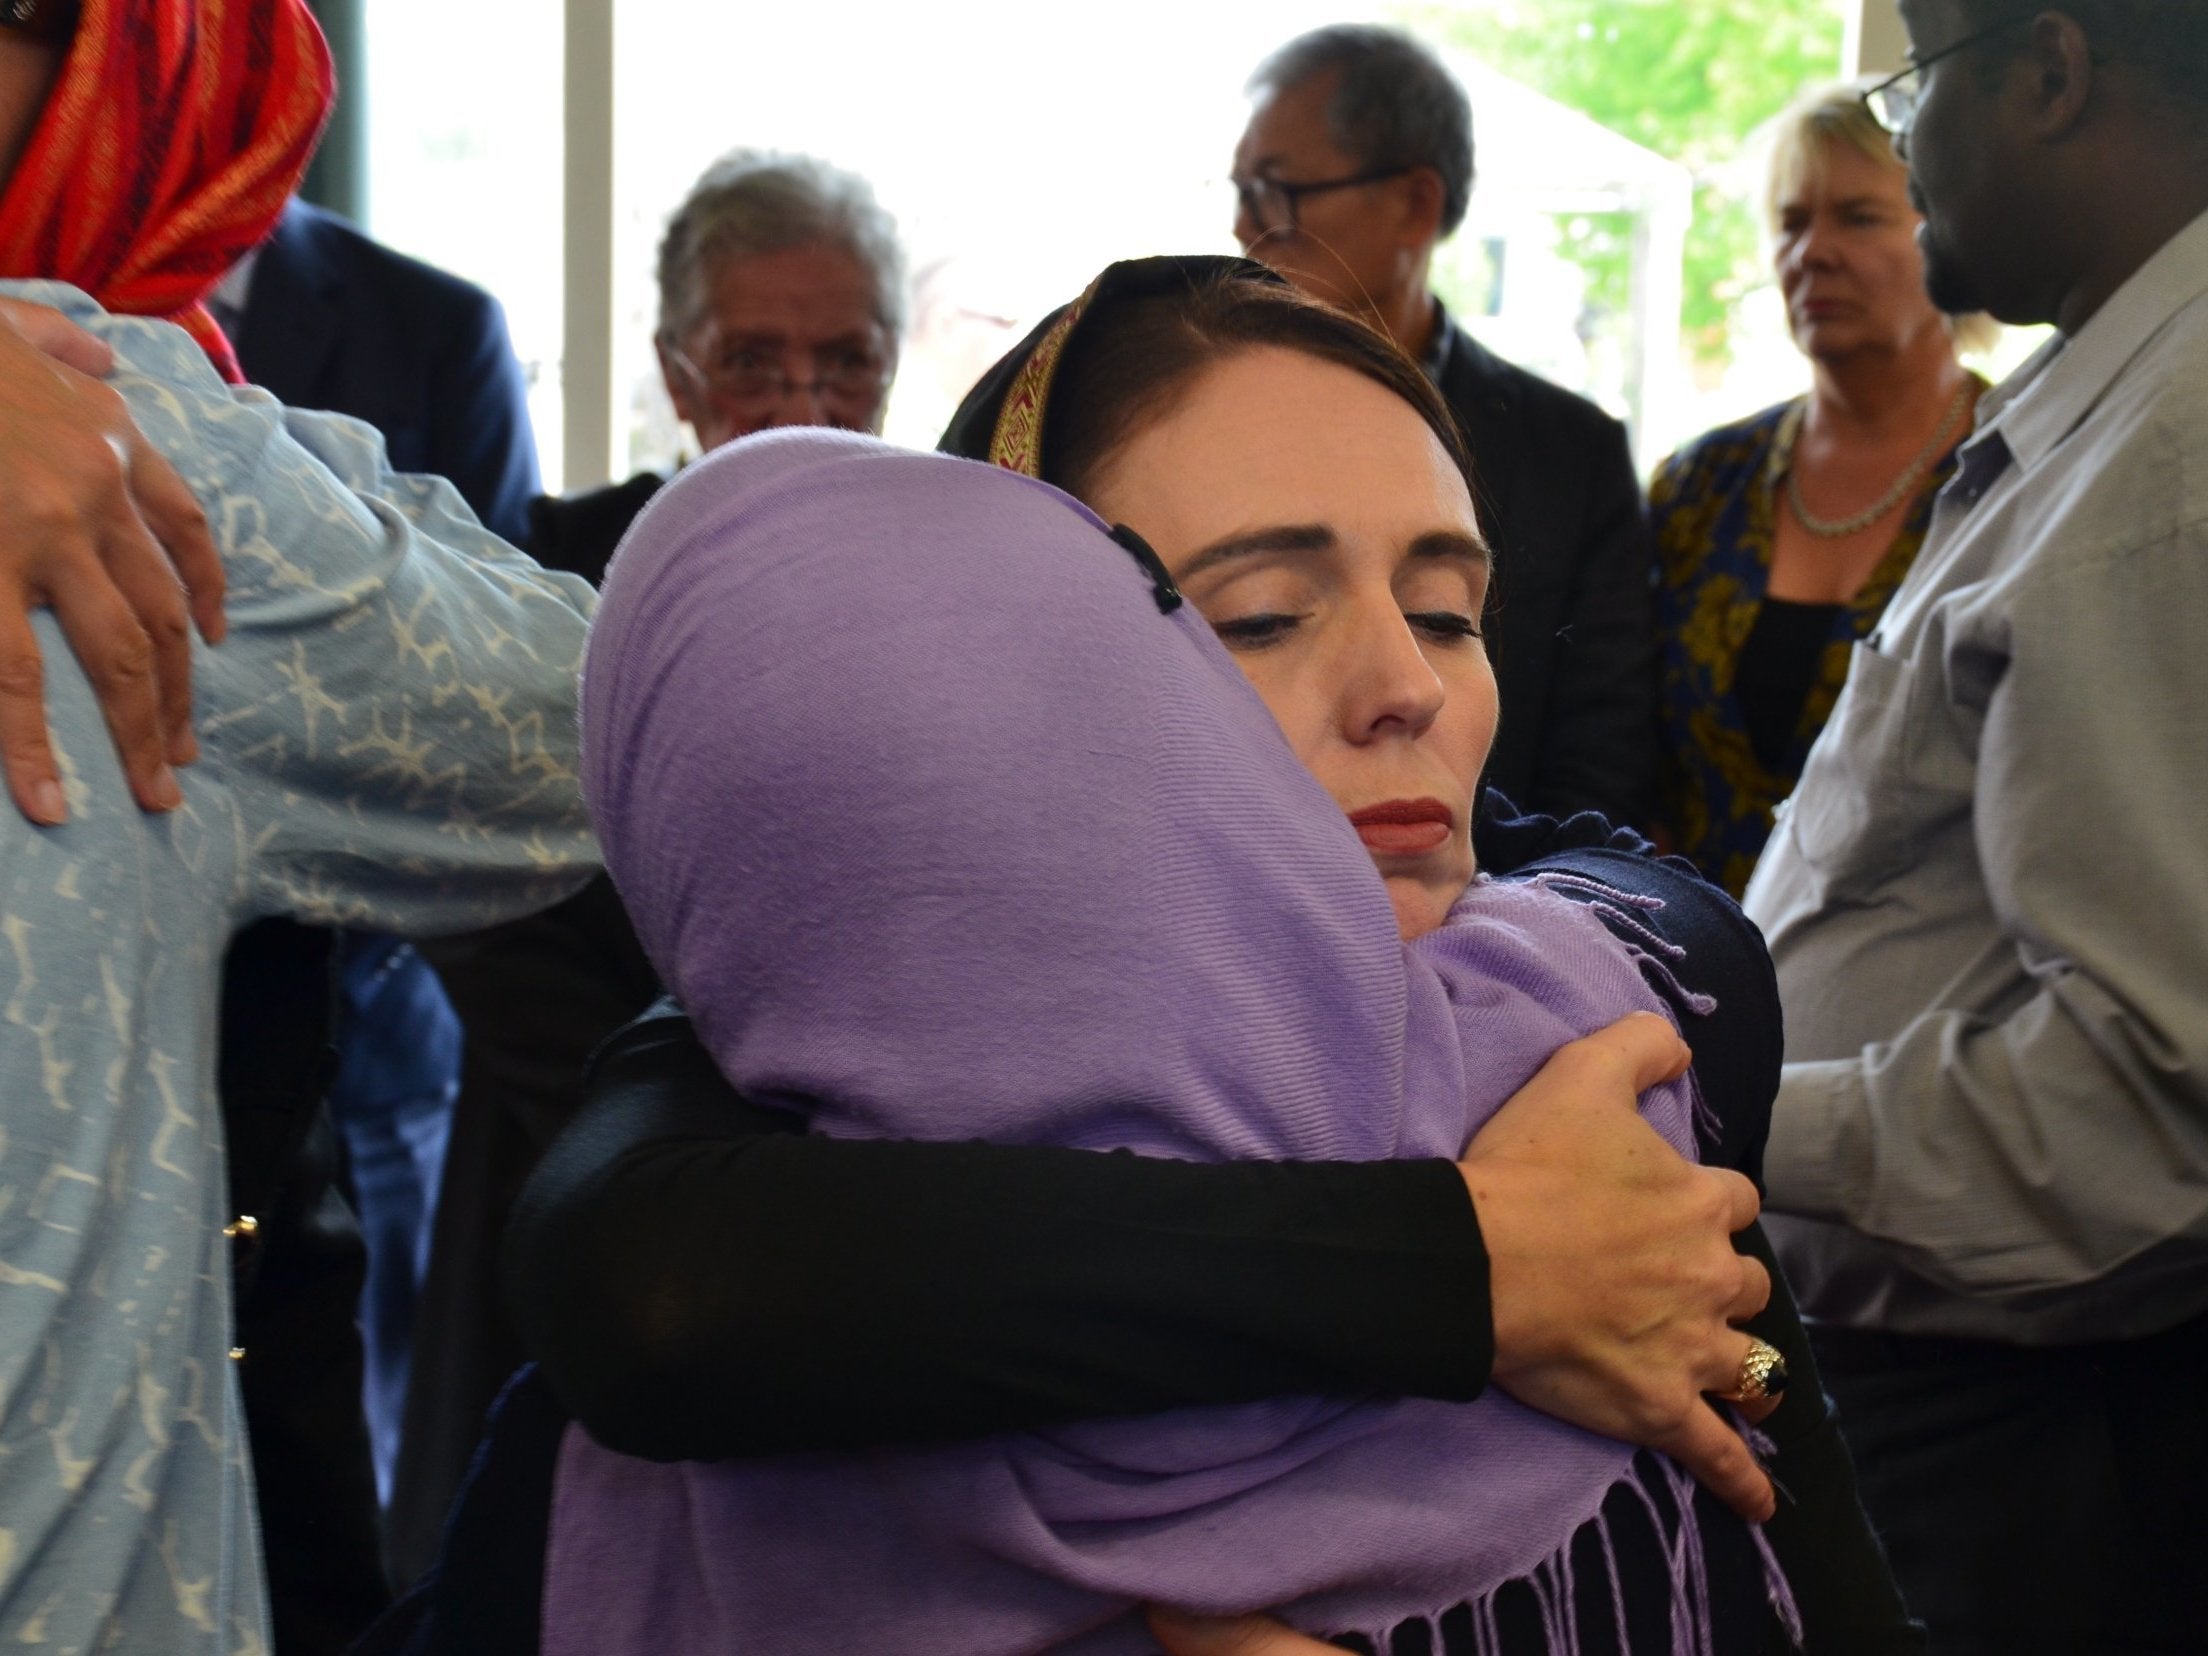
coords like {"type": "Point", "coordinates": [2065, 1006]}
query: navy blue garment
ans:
{"type": "Point", "coordinates": [398, 1069]}
{"type": "Point", "coordinates": [336, 320]}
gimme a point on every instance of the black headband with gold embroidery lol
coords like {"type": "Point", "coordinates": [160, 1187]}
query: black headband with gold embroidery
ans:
{"type": "Point", "coordinates": [1005, 416]}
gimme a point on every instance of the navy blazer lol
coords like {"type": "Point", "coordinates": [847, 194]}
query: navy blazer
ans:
{"type": "Point", "coordinates": [1571, 623]}
{"type": "Point", "coordinates": [336, 320]}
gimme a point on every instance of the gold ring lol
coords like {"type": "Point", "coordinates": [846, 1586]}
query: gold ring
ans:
{"type": "Point", "coordinates": [1762, 1373]}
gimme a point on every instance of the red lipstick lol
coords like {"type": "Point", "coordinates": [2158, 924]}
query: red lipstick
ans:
{"type": "Point", "coordinates": [1404, 827]}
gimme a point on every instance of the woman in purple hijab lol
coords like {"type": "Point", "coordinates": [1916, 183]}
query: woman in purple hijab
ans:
{"type": "Point", "coordinates": [1007, 848]}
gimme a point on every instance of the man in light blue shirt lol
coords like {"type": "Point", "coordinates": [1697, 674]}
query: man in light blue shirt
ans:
{"type": "Point", "coordinates": [1988, 902]}
{"type": "Point", "coordinates": [387, 739]}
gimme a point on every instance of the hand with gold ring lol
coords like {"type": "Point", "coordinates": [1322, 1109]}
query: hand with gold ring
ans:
{"type": "Point", "coordinates": [1616, 1290]}
{"type": "Point", "coordinates": [1761, 1380]}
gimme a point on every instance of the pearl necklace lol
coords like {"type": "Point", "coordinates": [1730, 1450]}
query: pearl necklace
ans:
{"type": "Point", "coordinates": [1834, 528]}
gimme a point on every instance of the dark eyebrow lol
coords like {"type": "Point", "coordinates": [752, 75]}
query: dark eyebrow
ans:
{"type": "Point", "coordinates": [1452, 543]}
{"type": "Point", "coordinates": [1281, 537]}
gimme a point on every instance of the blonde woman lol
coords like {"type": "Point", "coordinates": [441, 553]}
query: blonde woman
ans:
{"type": "Point", "coordinates": [1780, 537]}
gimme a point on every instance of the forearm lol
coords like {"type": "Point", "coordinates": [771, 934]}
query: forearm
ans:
{"type": "Point", "coordinates": [700, 1284]}
{"type": "Point", "coordinates": [2003, 1158]}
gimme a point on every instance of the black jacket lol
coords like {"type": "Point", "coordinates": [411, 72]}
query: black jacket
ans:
{"type": "Point", "coordinates": [578, 532]}
{"type": "Point", "coordinates": [1570, 624]}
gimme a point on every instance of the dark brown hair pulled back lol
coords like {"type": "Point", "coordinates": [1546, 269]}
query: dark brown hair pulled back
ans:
{"type": "Point", "coordinates": [1128, 366]}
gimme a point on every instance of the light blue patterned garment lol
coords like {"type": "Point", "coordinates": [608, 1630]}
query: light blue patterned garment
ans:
{"type": "Point", "coordinates": [389, 739]}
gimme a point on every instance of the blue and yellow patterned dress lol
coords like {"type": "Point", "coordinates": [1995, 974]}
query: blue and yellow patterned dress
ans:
{"type": "Point", "coordinates": [1714, 507]}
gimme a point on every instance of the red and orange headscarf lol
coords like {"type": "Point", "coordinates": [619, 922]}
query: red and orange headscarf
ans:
{"type": "Point", "coordinates": [173, 137]}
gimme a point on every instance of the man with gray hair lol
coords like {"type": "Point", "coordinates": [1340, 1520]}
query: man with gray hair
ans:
{"type": "Point", "coordinates": [1355, 164]}
{"type": "Point", "coordinates": [772, 261]}
{"type": "Point", "coordinates": [781, 302]}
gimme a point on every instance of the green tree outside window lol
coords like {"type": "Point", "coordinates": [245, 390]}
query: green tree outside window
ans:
{"type": "Point", "coordinates": [1689, 79]}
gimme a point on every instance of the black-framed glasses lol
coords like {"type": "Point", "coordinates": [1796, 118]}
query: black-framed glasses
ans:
{"type": "Point", "coordinates": [1273, 203]}
{"type": "Point", "coordinates": [1893, 101]}
{"type": "Point", "coordinates": [852, 377]}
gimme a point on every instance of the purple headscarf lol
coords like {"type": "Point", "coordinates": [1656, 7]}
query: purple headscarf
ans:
{"type": "Point", "coordinates": [935, 822]}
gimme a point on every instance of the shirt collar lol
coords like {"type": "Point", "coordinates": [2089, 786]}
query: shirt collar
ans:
{"type": "Point", "coordinates": [235, 290]}
{"type": "Point", "coordinates": [2060, 383]}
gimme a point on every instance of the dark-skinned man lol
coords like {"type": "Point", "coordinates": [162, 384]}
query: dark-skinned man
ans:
{"type": "Point", "coordinates": [1989, 904]}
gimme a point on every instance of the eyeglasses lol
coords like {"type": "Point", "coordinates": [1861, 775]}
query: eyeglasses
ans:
{"type": "Point", "coordinates": [852, 377]}
{"type": "Point", "coordinates": [1893, 101]}
{"type": "Point", "coordinates": [1273, 204]}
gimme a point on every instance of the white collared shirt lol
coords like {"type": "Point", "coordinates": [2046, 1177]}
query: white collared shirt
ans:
{"type": "Point", "coordinates": [1988, 901]}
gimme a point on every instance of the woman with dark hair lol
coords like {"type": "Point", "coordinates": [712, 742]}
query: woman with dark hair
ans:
{"type": "Point", "coordinates": [1365, 576]}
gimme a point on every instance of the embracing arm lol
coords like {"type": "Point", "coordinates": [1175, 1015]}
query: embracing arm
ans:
{"type": "Point", "coordinates": [700, 1280]}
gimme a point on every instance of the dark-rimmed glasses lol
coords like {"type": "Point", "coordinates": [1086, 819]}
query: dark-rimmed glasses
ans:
{"type": "Point", "coordinates": [1893, 101]}
{"type": "Point", "coordinates": [1273, 203]}
{"type": "Point", "coordinates": [852, 379]}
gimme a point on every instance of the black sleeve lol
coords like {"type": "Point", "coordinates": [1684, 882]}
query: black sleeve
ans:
{"type": "Point", "coordinates": [700, 1281]}
{"type": "Point", "coordinates": [479, 405]}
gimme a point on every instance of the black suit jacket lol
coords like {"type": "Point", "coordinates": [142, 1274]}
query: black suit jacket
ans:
{"type": "Point", "coordinates": [335, 320]}
{"type": "Point", "coordinates": [1570, 624]}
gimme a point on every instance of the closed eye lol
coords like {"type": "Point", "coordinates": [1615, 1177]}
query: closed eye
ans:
{"type": "Point", "coordinates": [1254, 632]}
{"type": "Point", "coordinates": [1445, 626]}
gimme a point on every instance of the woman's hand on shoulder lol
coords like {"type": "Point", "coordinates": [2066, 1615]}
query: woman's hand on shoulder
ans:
{"type": "Point", "coordinates": [1612, 1275]}
{"type": "Point", "coordinates": [97, 526]}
